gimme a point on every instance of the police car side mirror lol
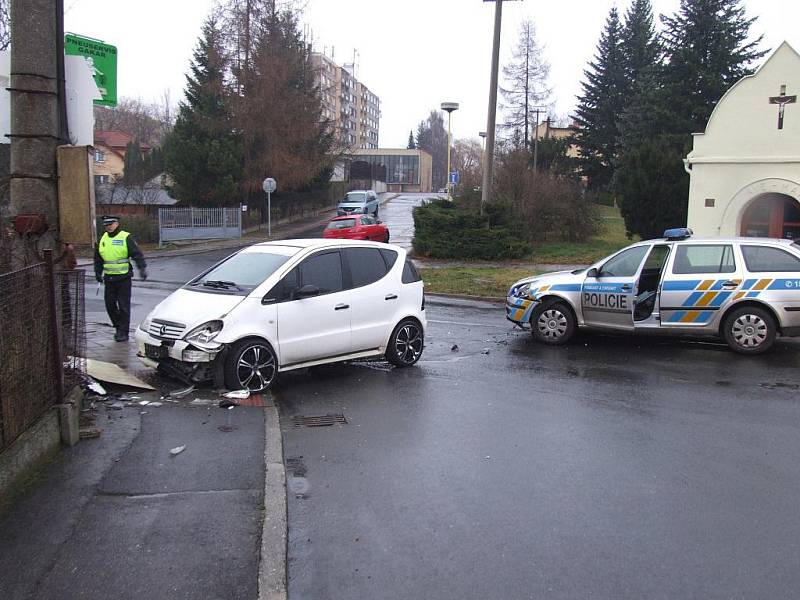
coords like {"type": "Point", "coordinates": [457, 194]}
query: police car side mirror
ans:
{"type": "Point", "coordinates": [592, 272]}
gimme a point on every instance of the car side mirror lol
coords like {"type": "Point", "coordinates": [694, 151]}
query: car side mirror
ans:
{"type": "Point", "coordinates": [592, 272]}
{"type": "Point", "coordinates": [379, 222]}
{"type": "Point", "coordinates": [307, 291]}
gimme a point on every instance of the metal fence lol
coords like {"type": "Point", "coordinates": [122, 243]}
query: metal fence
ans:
{"type": "Point", "coordinates": [42, 343]}
{"type": "Point", "coordinates": [198, 224]}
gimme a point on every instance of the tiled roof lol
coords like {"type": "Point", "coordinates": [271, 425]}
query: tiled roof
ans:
{"type": "Point", "coordinates": [117, 140]}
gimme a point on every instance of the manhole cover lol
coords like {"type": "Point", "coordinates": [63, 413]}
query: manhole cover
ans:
{"type": "Point", "coordinates": [320, 421]}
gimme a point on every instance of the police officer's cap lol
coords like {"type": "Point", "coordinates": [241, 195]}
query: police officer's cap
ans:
{"type": "Point", "coordinates": [109, 219]}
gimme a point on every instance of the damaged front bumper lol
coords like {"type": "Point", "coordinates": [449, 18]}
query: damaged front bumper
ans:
{"type": "Point", "coordinates": [178, 357]}
{"type": "Point", "coordinates": [518, 310]}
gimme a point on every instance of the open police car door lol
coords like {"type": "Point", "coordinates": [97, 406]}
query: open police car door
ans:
{"type": "Point", "coordinates": [607, 294]}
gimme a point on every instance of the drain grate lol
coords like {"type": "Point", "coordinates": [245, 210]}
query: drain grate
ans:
{"type": "Point", "coordinates": [319, 421]}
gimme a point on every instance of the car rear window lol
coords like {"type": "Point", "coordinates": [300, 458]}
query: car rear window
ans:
{"type": "Point", "coordinates": [765, 258]}
{"type": "Point", "coordinates": [703, 258]}
{"type": "Point", "coordinates": [410, 273]}
{"type": "Point", "coordinates": [366, 265]}
{"type": "Point", "coordinates": [341, 224]}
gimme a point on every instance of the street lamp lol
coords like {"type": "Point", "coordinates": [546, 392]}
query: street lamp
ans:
{"type": "Point", "coordinates": [449, 107]}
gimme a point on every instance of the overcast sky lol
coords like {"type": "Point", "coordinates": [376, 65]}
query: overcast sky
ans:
{"type": "Point", "coordinates": [414, 54]}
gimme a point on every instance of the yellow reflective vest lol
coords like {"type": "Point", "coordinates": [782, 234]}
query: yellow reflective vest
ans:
{"type": "Point", "coordinates": [114, 252]}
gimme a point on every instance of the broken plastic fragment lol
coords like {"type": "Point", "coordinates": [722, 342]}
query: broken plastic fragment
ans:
{"type": "Point", "coordinates": [177, 450]}
{"type": "Point", "coordinates": [156, 404]}
{"type": "Point", "coordinates": [95, 387]}
{"type": "Point", "coordinates": [238, 394]}
{"type": "Point", "coordinates": [454, 348]}
{"type": "Point", "coordinates": [227, 404]}
{"type": "Point", "coordinates": [181, 393]}
{"type": "Point", "coordinates": [144, 402]}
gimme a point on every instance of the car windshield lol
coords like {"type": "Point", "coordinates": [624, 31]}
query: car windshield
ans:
{"type": "Point", "coordinates": [240, 273]}
{"type": "Point", "coordinates": [358, 198]}
{"type": "Point", "coordinates": [341, 224]}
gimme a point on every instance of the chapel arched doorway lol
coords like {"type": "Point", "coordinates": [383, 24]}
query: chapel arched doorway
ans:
{"type": "Point", "coordinates": [772, 215]}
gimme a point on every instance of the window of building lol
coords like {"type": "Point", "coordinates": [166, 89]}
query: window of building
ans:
{"type": "Point", "coordinates": [99, 156]}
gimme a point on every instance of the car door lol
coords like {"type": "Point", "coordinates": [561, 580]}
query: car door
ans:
{"type": "Point", "coordinates": [318, 326]}
{"type": "Point", "coordinates": [375, 297]}
{"type": "Point", "coordinates": [701, 279]}
{"type": "Point", "coordinates": [607, 293]}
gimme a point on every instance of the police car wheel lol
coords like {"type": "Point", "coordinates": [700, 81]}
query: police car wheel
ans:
{"type": "Point", "coordinates": [553, 324]}
{"type": "Point", "coordinates": [749, 330]}
{"type": "Point", "coordinates": [250, 365]}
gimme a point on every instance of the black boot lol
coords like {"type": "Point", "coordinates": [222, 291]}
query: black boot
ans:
{"type": "Point", "coordinates": [121, 336]}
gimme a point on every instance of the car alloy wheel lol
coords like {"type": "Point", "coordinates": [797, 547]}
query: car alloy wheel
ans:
{"type": "Point", "coordinates": [406, 344]}
{"type": "Point", "coordinates": [251, 365]}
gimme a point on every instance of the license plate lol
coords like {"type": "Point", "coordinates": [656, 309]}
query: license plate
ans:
{"type": "Point", "coordinates": [151, 351]}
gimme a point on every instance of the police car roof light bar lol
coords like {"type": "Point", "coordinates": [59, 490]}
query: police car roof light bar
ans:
{"type": "Point", "coordinates": [679, 233]}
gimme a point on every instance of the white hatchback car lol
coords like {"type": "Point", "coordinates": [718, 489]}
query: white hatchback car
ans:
{"type": "Point", "coordinates": [285, 305]}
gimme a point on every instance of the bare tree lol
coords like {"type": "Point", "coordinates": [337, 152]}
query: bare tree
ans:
{"type": "Point", "coordinates": [526, 88]}
{"type": "Point", "coordinates": [5, 24]}
{"type": "Point", "coordinates": [145, 122]}
{"type": "Point", "coordinates": [466, 160]}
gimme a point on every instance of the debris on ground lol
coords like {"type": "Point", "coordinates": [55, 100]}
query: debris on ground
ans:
{"type": "Point", "coordinates": [227, 404]}
{"type": "Point", "coordinates": [88, 433]}
{"type": "Point", "coordinates": [177, 450]}
{"type": "Point", "coordinates": [118, 405]}
{"type": "Point", "coordinates": [155, 404]}
{"type": "Point", "coordinates": [144, 402]}
{"type": "Point", "coordinates": [95, 387]}
{"type": "Point", "coordinates": [111, 373]}
{"type": "Point", "coordinates": [238, 394]}
{"type": "Point", "coordinates": [485, 351]}
{"type": "Point", "coordinates": [182, 393]}
{"type": "Point", "coordinates": [454, 348]}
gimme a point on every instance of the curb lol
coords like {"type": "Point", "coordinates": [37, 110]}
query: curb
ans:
{"type": "Point", "coordinates": [272, 562]}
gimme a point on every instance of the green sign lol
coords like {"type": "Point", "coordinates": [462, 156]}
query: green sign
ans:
{"type": "Point", "coordinates": [102, 59]}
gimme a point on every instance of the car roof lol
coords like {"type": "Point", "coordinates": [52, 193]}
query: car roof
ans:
{"type": "Point", "coordinates": [323, 243]}
{"type": "Point", "coordinates": [726, 240]}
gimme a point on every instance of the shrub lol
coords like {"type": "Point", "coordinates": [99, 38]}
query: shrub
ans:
{"type": "Point", "coordinates": [445, 230]}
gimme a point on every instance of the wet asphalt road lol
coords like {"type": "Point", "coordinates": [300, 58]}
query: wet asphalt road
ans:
{"type": "Point", "coordinates": [614, 467]}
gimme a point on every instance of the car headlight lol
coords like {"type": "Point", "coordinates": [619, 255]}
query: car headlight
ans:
{"type": "Point", "coordinates": [523, 291]}
{"type": "Point", "coordinates": [205, 333]}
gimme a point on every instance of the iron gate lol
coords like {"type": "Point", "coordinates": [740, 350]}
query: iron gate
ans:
{"type": "Point", "coordinates": [198, 224]}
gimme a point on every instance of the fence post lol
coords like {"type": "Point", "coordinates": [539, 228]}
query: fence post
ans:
{"type": "Point", "coordinates": [160, 243]}
{"type": "Point", "coordinates": [57, 360]}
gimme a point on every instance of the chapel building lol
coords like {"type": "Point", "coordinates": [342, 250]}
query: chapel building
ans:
{"type": "Point", "coordinates": [745, 169]}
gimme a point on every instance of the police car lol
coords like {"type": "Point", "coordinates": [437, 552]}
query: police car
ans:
{"type": "Point", "coordinates": [744, 290]}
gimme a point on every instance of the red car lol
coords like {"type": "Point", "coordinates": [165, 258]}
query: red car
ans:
{"type": "Point", "coordinates": [357, 227]}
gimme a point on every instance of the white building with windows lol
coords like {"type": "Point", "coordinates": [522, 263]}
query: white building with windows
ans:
{"type": "Point", "coordinates": [745, 168]}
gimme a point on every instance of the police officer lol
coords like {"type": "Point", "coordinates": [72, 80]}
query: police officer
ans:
{"type": "Point", "coordinates": [112, 265]}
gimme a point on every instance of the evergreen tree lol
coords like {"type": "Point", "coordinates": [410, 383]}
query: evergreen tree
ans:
{"type": "Point", "coordinates": [411, 144]}
{"type": "Point", "coordinates": [432, 137]}
{"type": "Point", "coordinates": [639, 42]}
{"type": "Point", "coordinates": [600, 107]}
{"type": "Point", "coordinates": [708, 50]}
{"type": "Point", "coordinates": [654, 187]}
{"type": "Point", "coordinates": [527, 90]}
{"type": "Point", "coordinates": [133, 164]}
{"type": "Point", "coordinates": [202, 154]}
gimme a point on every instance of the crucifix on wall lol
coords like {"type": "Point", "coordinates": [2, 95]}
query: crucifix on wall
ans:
{"type": "Point", "coordinates": [782, 101]}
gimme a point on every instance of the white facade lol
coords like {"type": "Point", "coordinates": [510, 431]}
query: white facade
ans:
{"type": "Point", "coordinates": [745, 171]}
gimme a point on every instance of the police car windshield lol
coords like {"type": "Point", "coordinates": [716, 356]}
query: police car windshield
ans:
{"type": "Point", "coordinates": [240, 273]}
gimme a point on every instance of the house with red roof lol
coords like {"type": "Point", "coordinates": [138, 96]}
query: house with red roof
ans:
{"type": "Point", "coordinates": [109, 154]}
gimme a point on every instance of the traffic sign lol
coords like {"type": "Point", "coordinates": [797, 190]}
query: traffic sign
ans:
{"type": "Point", "coordinates": [102, 61]}
{"type": "Point", "coordinates": [269, 185]}
{"type": "Point", "coordinates": [454, 178]}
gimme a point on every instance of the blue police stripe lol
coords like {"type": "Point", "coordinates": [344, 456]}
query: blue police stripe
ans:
{"type": "Point", "coordinates": [721, 297]}
{"type": "Point", "coordinates": [693, 298]}
{"type": "Point", "coordinates": [681, 286]}
{"type": "Point", "coordinates": [677, 316]}
{"type": "Point", "coordinates": [749, 283]}
{"type": "Point", "coordinates": [785, 284]}
{"type": "Point", "coordinates": [752, 294]}
{"type": "Point", "coordinates": [718, 285]}
{"type": "Point", "coordinates": [566, 287]}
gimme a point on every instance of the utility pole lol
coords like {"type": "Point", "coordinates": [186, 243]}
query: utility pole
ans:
{"type": "Point", "coordinates": [38, 120]}
{"type": "Point", "coordinates": [488, 168]}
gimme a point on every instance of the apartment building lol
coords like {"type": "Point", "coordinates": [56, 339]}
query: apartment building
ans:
{"type": "Point", "coordinates": [353, 110]}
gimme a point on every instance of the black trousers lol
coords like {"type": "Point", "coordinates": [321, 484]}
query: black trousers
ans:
{"type": "Point", "coordinates": [118, 303]}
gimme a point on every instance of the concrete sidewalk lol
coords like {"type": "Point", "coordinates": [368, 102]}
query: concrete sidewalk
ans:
{"type": "Point", "coordinates": [121, 517]}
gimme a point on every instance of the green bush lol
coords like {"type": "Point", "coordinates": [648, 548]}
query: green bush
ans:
{"type": "Point", "coordinates": [444, 230]}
